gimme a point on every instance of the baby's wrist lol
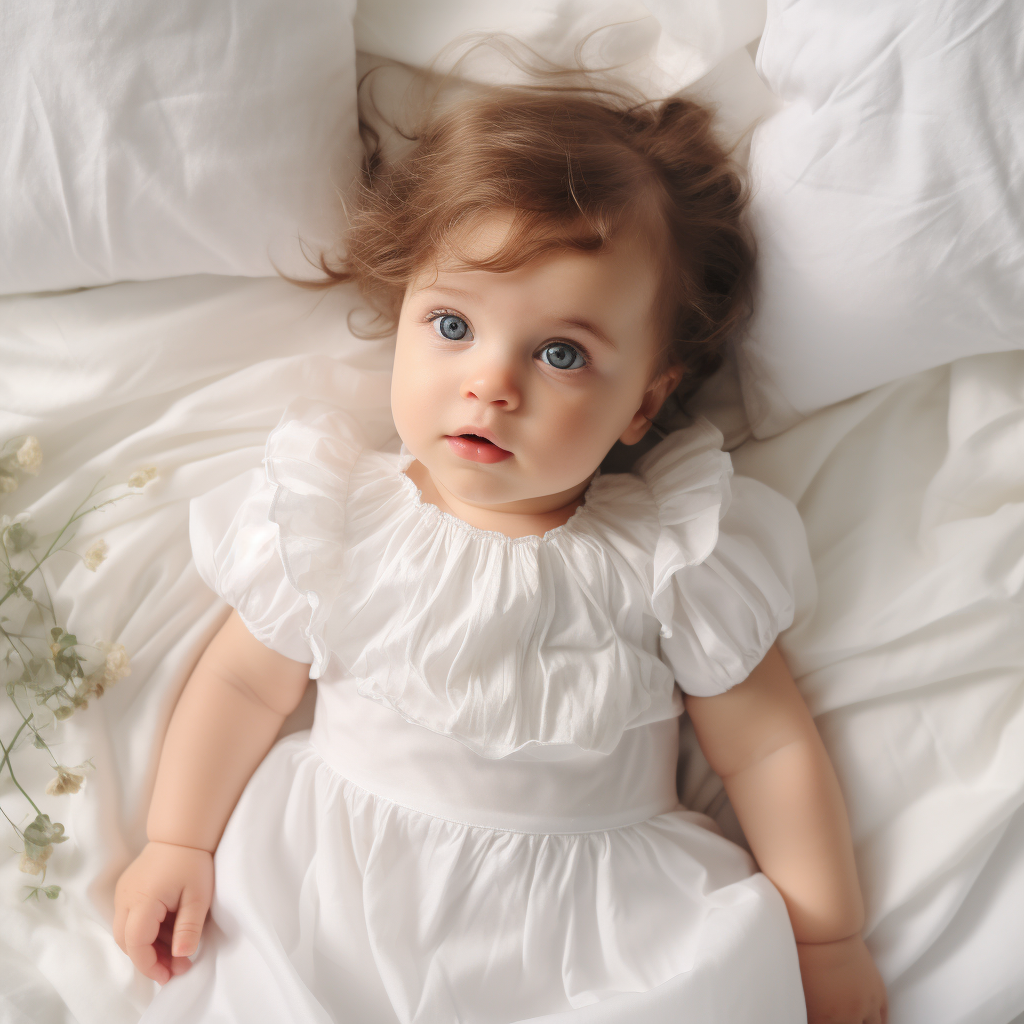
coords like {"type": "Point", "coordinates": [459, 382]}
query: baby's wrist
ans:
{"type": "Point", "coordinates": [829, 942]}
{"type": "Point", "coordinates": [845, 924]}
{"type": "Point", "coordinates": [179, 845]}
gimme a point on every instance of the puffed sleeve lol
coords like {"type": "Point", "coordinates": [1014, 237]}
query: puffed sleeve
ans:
{"type": "Point", "coordinates": [731, 572]}
{"type": "Point", "coordinates": [237, 552]}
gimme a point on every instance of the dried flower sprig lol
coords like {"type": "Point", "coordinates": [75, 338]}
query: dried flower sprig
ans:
{"type": "Point", "coordinates": [47, 673]}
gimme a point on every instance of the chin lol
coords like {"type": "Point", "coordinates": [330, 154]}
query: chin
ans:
{"type": "Point", "coordinates": [475, 486]}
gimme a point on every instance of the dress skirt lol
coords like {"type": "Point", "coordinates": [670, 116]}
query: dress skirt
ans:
{"type": "Point", "coordinates": [376, 872]}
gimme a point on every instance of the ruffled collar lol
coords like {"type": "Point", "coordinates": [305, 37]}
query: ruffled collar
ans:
{"type": "Point", "coordinates": [501, 643]}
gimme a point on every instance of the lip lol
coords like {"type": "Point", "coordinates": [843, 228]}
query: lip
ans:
{"type": "Point", "coordinates": [479, 431]}
{"type": "Point", "coordinates": [476, 451]}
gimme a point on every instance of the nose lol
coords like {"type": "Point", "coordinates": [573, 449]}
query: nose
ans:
{"type": "Point", "coordinates": [492, 377]}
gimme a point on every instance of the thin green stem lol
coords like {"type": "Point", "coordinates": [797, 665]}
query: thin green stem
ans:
{"type": "Point", "coordinates": [49, 598]}
{"type": "Point", "coordinates": [10, 639]}
{"type": "Point", "coordinates": [45, 607]}
{"type": "Point", "coordinates": [6, 758]}
{"type": "Point", "coordinates": [35, 732]}
{"type": "Point", "coordinates": [21, 834]}
{"type": "Point", "coordinates": [75, 516]}
{"type": "Point", "coordinates": [10, 767]}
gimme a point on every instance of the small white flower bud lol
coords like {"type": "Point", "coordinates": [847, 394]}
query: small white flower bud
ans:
{"type": "Point", "coordinates": [117, 664]}
{"type": "Point", "coordinates": [67, 781]}
{"type": "Point", "coordinates": [8, 483]}
{"type": "Point", "coordinates": [30, 455]}
{"type": "Point", "coordinates": [95, 554]}
{"type": "Point", "coordinates": [142, 476]}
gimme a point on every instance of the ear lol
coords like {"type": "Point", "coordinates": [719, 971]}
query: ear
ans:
{"type": "Point", "coordinates": [654, 398]}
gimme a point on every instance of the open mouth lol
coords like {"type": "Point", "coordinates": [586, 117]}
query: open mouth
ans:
{"type": "Point", "coordinates": [476, 448]}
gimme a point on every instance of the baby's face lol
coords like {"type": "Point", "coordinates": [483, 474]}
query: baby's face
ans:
{"type": "Point", "coordinates": [547, 365]}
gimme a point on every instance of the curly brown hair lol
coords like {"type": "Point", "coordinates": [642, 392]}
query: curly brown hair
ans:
{"type": "Point", "coordinates": [570, 170]}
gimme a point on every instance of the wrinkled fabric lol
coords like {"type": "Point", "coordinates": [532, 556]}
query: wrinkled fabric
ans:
{"type": "Point", "coordinates": [483, 824]}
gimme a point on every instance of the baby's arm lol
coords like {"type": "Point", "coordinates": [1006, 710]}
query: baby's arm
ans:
{"type": "Point", "coordinates": [761, 739]}
{"type": "Point", "coordinates": [223, 725]}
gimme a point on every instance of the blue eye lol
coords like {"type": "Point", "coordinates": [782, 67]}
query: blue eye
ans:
{"type": "Point", "coordinates": [562, 356]}
{"type": "Point", "coordinates": [451, 328]}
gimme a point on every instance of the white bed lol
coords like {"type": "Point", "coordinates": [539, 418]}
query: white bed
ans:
{"type": "Point", "coordinates": [912, 493]}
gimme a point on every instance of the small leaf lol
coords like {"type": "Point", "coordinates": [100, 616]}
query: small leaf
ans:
{"type": "Point", "coordinates": [42, 831]}
{"type": "Point", "coordinates": [18, 538]}
{"type": "Point", "coordinates": [66, 662]}
{"type": "Point", "coordinates": [51, 892]}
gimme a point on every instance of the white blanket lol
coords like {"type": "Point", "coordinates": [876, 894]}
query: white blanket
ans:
{"type": "Point", "coordinates": [913, 496]}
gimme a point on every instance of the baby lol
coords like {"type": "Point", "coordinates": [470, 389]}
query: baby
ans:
{"type": "Point", "coordinates": [482, 824]}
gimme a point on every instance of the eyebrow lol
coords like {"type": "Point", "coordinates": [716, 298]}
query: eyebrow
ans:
{"type": "Point", "coordinates": [586, 325]}
{"type": "Point", "coordinates": [447, 290]}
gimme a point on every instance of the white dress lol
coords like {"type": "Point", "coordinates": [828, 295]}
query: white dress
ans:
{"type": "Point", "coordinates": [482, 825]}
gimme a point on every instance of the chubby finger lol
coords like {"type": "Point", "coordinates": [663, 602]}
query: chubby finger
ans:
{"type": "Point", "coordinates": [189, 920]}
{"type": "Point", "coordinates": [177, 964]}
{"type": "Point", "coordinates": [141, 929]}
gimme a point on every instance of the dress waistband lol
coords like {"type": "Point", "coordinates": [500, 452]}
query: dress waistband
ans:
{"type": "Point", "coordinates": [559, 790]}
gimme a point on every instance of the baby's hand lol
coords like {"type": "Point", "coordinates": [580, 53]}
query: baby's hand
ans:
{"type": "Point", "coordinates": [841, 983]}
{"type": "Point", "coordinates": [166, 889]}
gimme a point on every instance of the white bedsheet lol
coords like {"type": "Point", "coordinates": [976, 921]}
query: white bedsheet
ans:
{"type": "Point", "coordinates": [913, 496]}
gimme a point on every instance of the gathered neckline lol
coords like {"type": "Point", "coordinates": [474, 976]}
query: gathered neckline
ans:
{"type": "Point", "coordinates": [429, 508]}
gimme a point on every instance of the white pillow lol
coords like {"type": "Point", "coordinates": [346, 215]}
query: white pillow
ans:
{"type": "Point", "coordinates": [146, 139]}
{"type": "Point", "coordinates": [889, 208]}
{"type": "Point", "coordinates": [659, 46]}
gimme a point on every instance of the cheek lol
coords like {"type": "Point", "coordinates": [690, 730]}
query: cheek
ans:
{"type": "Point", "coordinates": [414, 391]}
{"type": "Point", "coordinates": [582, 430]}
{"type": "Point", "coordinates": [403, 390]}
{"type": "Point", "coordinates": [603, 408]}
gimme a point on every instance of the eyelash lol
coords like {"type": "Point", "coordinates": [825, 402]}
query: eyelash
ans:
{"type": "Point", "coordinates": [436, 314]}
